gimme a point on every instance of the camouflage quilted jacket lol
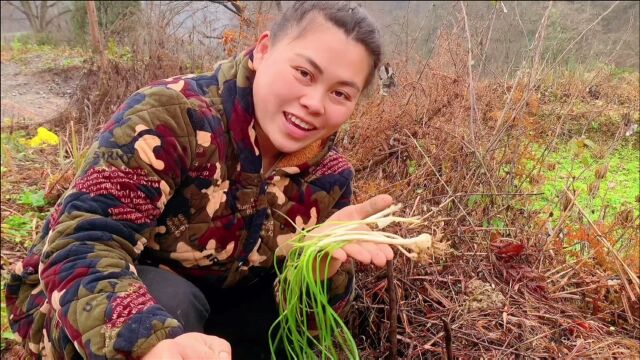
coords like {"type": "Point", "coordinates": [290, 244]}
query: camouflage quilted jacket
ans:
{"type": "Point", "coordinates": [175, 179]}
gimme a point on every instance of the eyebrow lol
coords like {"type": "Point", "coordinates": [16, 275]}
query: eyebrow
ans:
{"type": "Point", "coordinates": [318, 69]}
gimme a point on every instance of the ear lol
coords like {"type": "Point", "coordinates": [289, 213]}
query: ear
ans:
{"type": "Point", "coordinates": [262, 49]}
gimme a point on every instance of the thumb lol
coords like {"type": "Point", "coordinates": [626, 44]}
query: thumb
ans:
{"type": "Point", "coordinates": [196, 346]}
{"type": "Point", "coordinates": [365, 209]}
{"type": "Point", "coordinates": [376, 204]}
{"type": "Point", "coordinates": [220, 347]}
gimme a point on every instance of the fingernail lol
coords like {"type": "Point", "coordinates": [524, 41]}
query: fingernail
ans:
{"type": "Point", "coordinates": [223, 355]}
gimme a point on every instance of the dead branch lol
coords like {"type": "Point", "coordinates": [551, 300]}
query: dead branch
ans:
{"type": "Point", "coordinates": [393, 311]}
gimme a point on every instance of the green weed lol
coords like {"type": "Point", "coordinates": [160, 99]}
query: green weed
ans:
{"type": "Point", "coordinates": [412, 167]}
{"type": "Point", "coordinates": [34, 199]}
{"type": "Point", "coordinates": [12, 148]}
{"type": "Point", "coordinates": [120, 53]}
{"type": "Point", "coordinates": [18, 228]}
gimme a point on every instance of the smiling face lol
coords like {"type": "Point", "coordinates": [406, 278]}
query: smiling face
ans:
{"type": "Point", "coordinates": [306, 85]}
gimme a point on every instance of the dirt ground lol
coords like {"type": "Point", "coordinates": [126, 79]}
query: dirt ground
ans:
{"type": "Point", "coordinates": [31, 96]}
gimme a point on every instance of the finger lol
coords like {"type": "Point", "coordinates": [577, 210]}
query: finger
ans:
{"type": "Point", "coordinates": [220, 348]}
{"type": "Point", "coordinates": [386, 250]}
{"type": "Point", "coordinates": [197, 351]}
{"type": "Point", "coordinates": [215, 343]}
{"type": "Point", "coordinates": [195, 346]}
{"type": "Point", "coordinates": [339, 255]}
{"type": "Point", "coordinates": [356, 251]}
{"type": "Point", "coordinates": [334, 265]}
{"type": "Point", "coordinates": [167, 353]}
{"type": "Point", "coordinates": [223, 349]}
{"type": "Point", "coordinates": [377, 257]}
{"type": "Point", "coordinates": [170, 356]}
{"type": "Point", "coordinates": [365, 209]}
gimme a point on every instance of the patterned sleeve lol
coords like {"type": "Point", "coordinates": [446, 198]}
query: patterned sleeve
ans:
{"type": "Point", "coordinates": [97, 230]}
{"type": "Point", "coordinates": [341, 284]}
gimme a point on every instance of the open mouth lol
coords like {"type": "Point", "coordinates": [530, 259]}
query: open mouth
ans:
{"type": "Point", "coordinates": [298, 123]}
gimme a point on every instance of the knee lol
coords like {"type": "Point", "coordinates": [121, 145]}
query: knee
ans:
{"type": "Point", "coordinates": [191, 309]}
{"type": "Point", "coordinates": [179, 297]}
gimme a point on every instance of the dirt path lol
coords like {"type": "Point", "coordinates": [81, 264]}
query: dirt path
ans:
{"type": "Point", "coordinates": [31, 96]}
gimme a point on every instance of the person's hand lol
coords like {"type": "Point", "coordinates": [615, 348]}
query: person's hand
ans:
{"type": "Point", "coordinates": [191, 346]}
{"type": "Point", "coordinates": [361, 251]}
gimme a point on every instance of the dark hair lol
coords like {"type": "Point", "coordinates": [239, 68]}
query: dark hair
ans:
{"type": "Point", "coordinates": [354, 21]}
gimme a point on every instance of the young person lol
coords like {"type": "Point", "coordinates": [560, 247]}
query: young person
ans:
{"type": "Point", "coordinates": [164, 245]}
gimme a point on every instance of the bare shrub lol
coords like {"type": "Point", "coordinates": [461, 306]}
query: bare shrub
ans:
{"type": "Point", "coordinates": [466, 173]}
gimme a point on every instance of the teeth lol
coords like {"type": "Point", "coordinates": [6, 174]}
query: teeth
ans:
{"type": "Point", "coordinates": [299, 122]}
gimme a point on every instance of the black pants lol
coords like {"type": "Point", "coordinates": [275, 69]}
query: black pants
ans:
{"type": "Point", "coordinates": [242, 316]}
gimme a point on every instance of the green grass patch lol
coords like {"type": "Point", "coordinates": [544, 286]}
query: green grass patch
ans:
{"type": "Point", "coordinates": [574, 165]}
{"type": "Point", "coordinates": [617, 72]}
{"type": "Point", "coordinates": [49, 56]}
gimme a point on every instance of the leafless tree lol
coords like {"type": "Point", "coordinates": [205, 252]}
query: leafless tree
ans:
{"type": "Point", "coordinates": [231, 5]}
{"type": "Point", "coordinates": [40, 14]}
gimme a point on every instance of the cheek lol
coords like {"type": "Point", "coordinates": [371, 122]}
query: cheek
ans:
{"type": "Point", "coordinates": [265, 95]}
{"type": "Point", "coordinates": [337, 116]}
{"type": "Point", "coordinates": [265, 83]}
{"type": "Point", "coordinates": [278, 91]}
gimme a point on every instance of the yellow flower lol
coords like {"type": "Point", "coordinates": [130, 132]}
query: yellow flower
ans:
{"type": "Point", "coordinates": [44, 137]}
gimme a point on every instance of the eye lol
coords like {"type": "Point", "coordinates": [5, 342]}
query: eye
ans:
{"type": "Point", "coordinates": [304, 74]}
{"type": "Point", "coordinates": [341, 95]}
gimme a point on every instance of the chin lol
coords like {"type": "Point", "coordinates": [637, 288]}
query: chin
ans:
{"type": "Point", "coordinates": [290, 148]}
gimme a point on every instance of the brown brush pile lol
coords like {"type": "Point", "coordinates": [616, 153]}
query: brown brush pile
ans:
{"type": "Point", "coordinates": [508, 291]}
{"type": "Point", "coordinates": [154, 50]}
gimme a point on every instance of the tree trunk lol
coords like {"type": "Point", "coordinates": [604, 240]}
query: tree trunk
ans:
{"type": "Point", "coordinates": [96, 38]}
{"type": "Point", "coordinates": [42, 18]}
{"type": "Point", "coordinates": [27, 10]}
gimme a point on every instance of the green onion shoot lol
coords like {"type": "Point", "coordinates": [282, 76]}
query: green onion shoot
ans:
{"type": "Point", "coordinates": [303, 299]}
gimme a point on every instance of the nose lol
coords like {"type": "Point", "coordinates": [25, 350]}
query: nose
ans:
{"type": "Point", "coordinates": [313, 102]}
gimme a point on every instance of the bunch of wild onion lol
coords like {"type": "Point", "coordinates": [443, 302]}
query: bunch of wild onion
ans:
{"type": "Point", "coordinates": [304, 299]}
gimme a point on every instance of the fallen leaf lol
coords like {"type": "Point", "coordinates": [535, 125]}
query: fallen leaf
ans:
{"type": "Point", "coordinates": [509, 251]}
{"type": "Point", "coordinates": [581, 324]}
